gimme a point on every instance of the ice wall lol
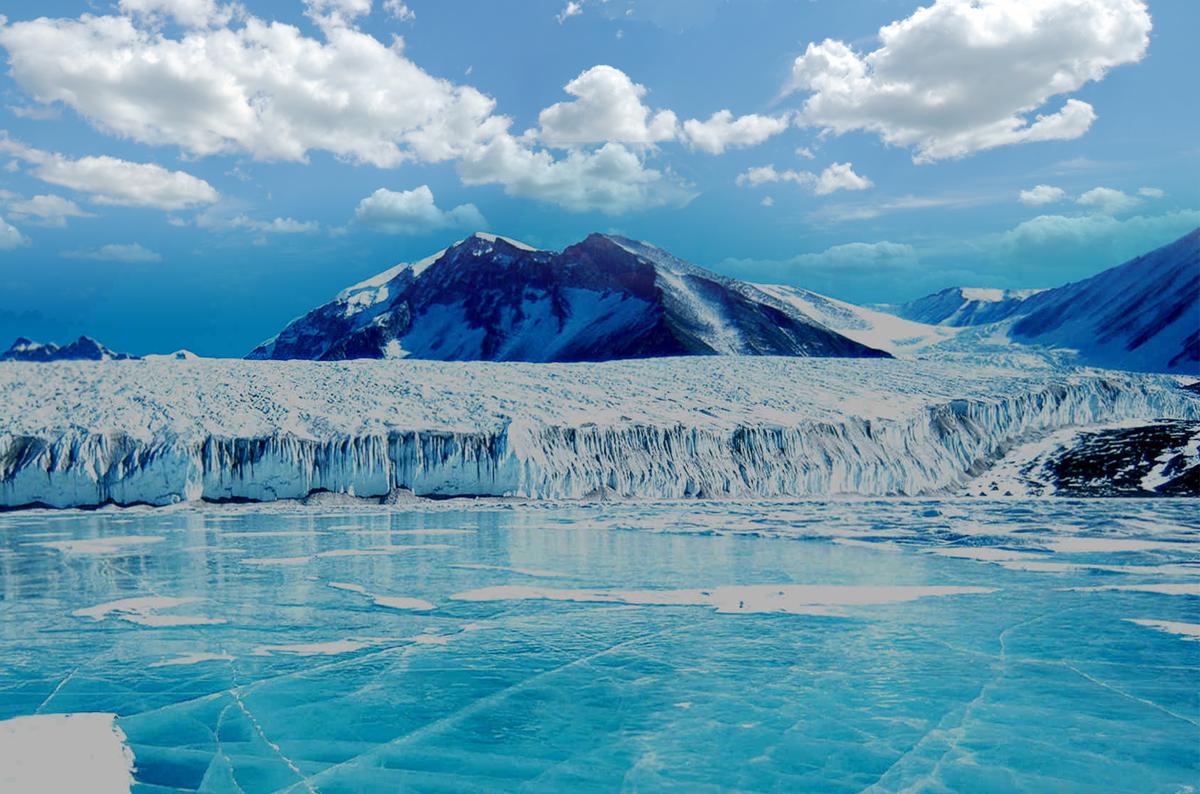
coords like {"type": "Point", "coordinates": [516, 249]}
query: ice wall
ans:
{"type": "Point", "coordinates": [517, 448]}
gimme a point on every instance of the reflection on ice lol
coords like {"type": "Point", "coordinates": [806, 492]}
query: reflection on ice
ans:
{"type": "Point", "coordinates": [106, 545]}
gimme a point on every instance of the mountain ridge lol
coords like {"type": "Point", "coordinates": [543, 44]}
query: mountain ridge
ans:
{"type": "Point", "coordinates": [606, 297]}
{"type": "Point", "coordinates": [1141, 315]}
{"type": "Point", "coordinates": [84, 348]}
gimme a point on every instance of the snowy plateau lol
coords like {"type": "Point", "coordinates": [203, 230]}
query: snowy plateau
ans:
{"type": "Point", "coordinates": [161, 432]}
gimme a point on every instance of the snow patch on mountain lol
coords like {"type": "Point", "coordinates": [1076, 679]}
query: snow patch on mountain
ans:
{"type": "Point", "coordinates": [961, 306]}
{"type": "Point", "coordinates": [1143, 315]}
{"type": "Point", "coordinates": [877, 329]}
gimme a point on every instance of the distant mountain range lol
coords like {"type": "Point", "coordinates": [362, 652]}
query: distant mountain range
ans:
{"type": "Point", "coordinates": [1143, 315]}
{"type": "Point", "coordinates": [82, 349]}
{"type": "Point", "coordinates": [962, 306]}
{"type": "Point", "coordinates": [607, 297]}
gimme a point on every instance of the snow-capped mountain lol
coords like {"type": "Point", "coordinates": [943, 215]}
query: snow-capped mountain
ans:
{"type": "Point", "coordinates": [82, 349]}
{"type": "Point", "coordinates": [1143, 315]}
{"type": "Point", "coordinates": [607, 297]}
{"type": "Point", "coordinates": [961, 306]}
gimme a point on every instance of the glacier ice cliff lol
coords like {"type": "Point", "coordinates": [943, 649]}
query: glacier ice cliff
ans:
{"type": "Point", "coordinates": [87, 434]}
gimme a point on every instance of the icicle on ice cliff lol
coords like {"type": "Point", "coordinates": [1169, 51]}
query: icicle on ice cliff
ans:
{"type": "Point", "coordinates": [82, 434]}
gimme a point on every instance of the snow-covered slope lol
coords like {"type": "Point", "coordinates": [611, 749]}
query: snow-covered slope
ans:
{"type": "Point", "coordinates": [878, 329]}
{"type": "Point", "coordinates": [494, 299]}
{"type": "Point", "coordinates": [157, 432]}
{"type": "Point", "coordinates": [960, 306]}
{"type": "Point", "coordinates": [1143, 315]}
{"type": "Point", "coordinates": [82, 349]}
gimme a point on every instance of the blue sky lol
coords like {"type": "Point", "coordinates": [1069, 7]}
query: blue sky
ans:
{"type": "Point", "coordinates": [193, 173]}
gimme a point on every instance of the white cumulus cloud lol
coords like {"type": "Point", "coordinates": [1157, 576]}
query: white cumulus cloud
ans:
{"type": "Point", "coordinates": [961, 76]}
{"type": "Point", "coordinates": [275, 226]}
{"type": "Point", "coordinates": [187, 13]}
{"type": "Point", "coordinates": [399, 11]}
{"type": "Point", "coordinates": [607, 108]}
{"type": "Point", "coordinates": [840, 176]}
{"type": "Point", "coordinates": [1107, 200]}
{"type": "Point", "coordinates": [413, 212]}
{"type": "Point", "coordinates": [263, 88]}
{"type": "Point", "coordinates": [116, 252]}
{"type": "Point", "coordinates": [1151, 192]}
{"type": "Point", "coordinates": [572, 9]}
{"type": "Point", "coordinates": [108, 180]}
{"type": "Point", "coordinates": [46, 210]}
{"type": "Point", "coordinates": [1040, 195]}
{"type": "Point", "coordinates": [11, 237]}
{"type": "Point", "coordinates": [1090, 241]}
{"type": "Point", "coordinates": [612, 179]}
{"type": "Point", "coordinates": [769, 174]}
{"type": "Point", "coordinates": [723, 131]}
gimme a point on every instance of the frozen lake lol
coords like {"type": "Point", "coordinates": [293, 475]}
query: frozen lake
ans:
{"type": "Point", "coordinates": [990, 645]}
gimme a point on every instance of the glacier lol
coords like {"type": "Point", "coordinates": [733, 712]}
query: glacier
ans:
{"type": "Point", "coordinates": [160, 432]}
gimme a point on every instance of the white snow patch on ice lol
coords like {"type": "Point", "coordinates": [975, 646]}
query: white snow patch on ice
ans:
{"type": "Point", "coordinates": [1084, 545]}
{"type": "Point", "coordinates": [1173, 588]}
{"type": "Point", "coordinates": [272, 561]}
{"type": "Point", "coordinates": [540, 572]}
{"type": "Point", "coordinates": [186, 659]}
{"type": "Point", "coordinates": [788, 598]}
{"type": "Point", "coordinates": [983, 553]}
{"type": "Point", "coordinates": [386, 601]}
{"type": "Point", "coordinates": [1188, 631]}
{"type": "Point", "coordinates": [349, 587]}
{"type": "Point", "coordinates": [402, 602]}
{"type": "Point", "coordinates": [333, 648]}
{"type": "Point", "coordinates": [143, 610]}
{"type": "Point", "coordinates": [64, 753]}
